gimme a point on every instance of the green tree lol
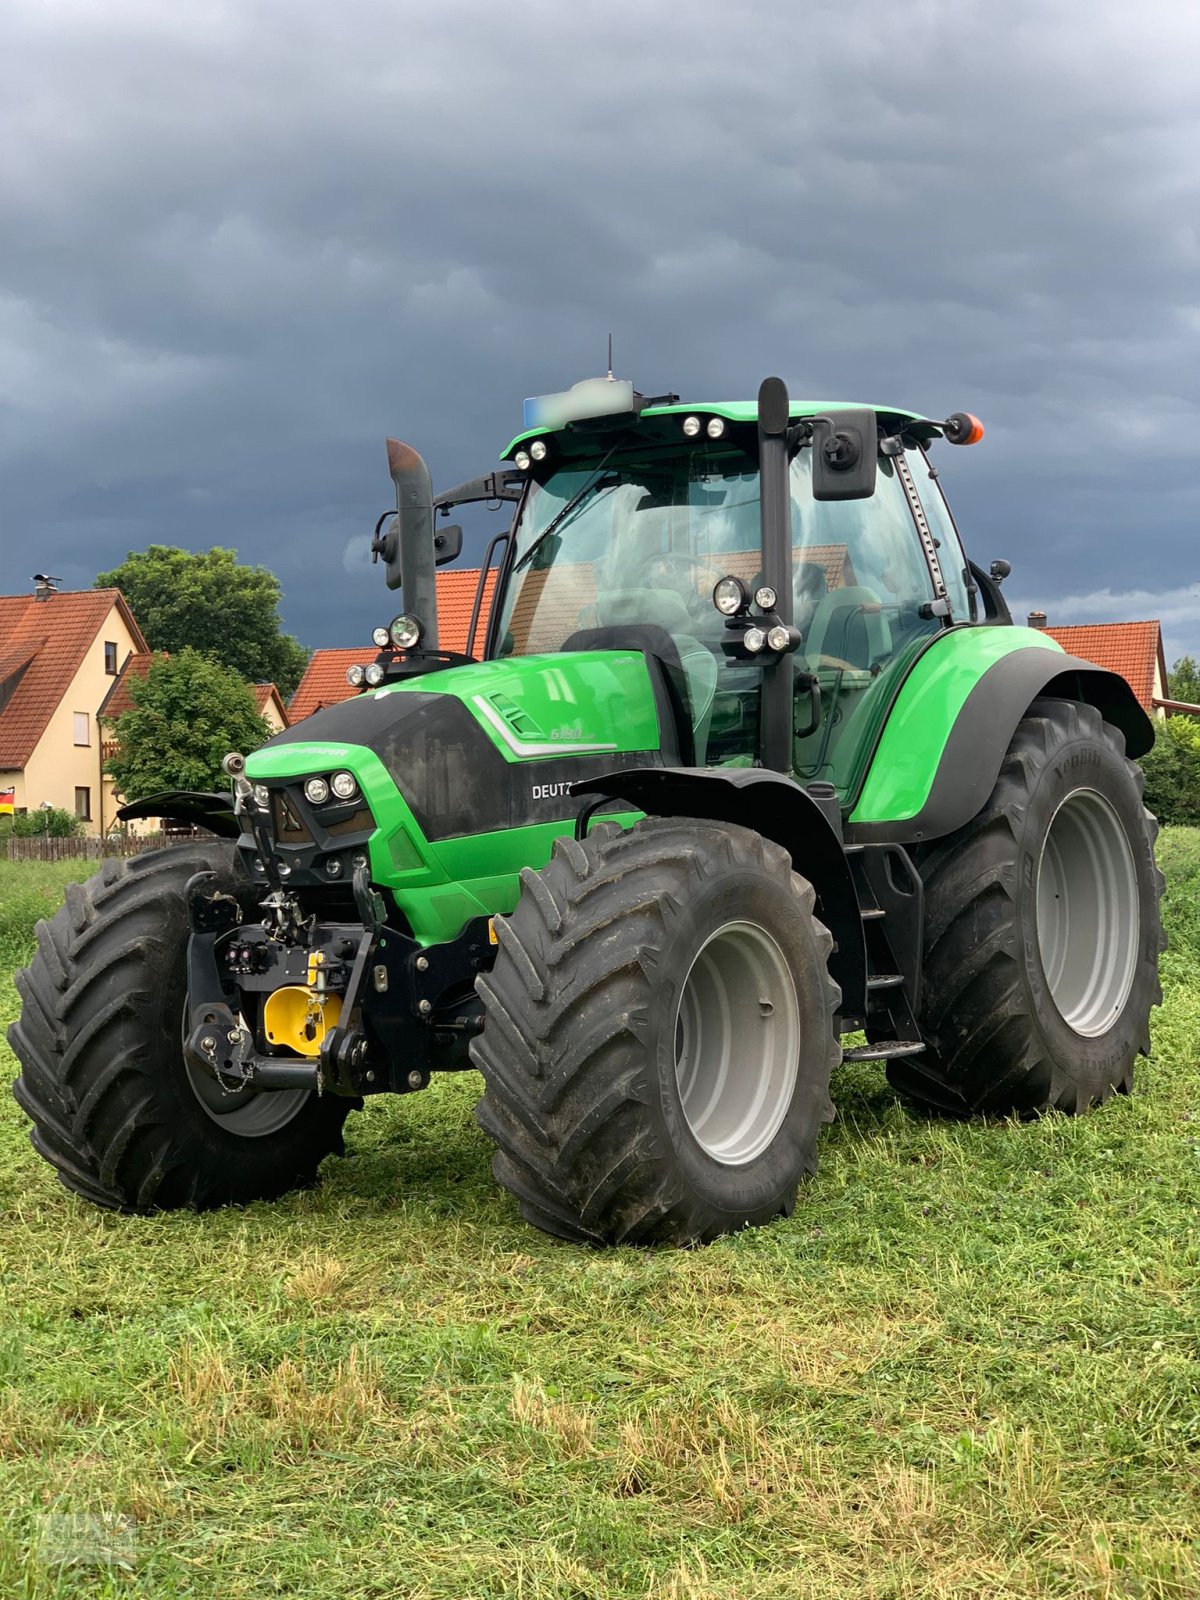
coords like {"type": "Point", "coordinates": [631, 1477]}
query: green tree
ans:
{"type": "Point", "coordinates": [1183, 681]}
{"type": "Point", "coordinates": [207, 601]}
{"type": "Point", "coordinates": [1172, 771]}
{"type": "Point", "coordinates": [188, 712]}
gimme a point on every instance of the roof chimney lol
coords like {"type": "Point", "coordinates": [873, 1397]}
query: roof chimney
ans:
{"type": "Point", "coordinates": [44, 585]}
{"type": "Point", "coordinates": [1037, 619]}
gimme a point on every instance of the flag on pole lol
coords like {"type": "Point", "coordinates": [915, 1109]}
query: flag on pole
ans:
{"type": "Point", "coordinates": [7, 796]}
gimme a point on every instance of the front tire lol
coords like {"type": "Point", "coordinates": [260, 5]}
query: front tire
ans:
{"type": "Point", "coordinates": [114, 1106]}
{"type": "Point", "coordinates": [659, 1034]}
{"type": "Point", "coordinates": [1042, 930]}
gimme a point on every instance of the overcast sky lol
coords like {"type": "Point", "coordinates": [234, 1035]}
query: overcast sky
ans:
{"type": "Point", "coordinates": [242, 242]}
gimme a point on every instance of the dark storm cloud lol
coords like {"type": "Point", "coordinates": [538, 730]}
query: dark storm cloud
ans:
{"type": "Point", "coordinates": [241, 242]}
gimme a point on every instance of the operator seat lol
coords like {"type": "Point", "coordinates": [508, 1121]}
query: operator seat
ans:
{"type": "Point", "coordinates": [850, 632]}
{"type": "Point", "coordinates": [623, 607]}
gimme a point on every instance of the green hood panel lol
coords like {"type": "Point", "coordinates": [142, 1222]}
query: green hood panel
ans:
{"type": "Point", "coordinates": [467, 770]}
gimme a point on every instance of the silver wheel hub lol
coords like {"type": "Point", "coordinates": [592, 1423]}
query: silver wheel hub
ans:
{"type": "Point", "coordinates": [1088, 916]}
{"type": "Point", "coordinates": [737, 1043]}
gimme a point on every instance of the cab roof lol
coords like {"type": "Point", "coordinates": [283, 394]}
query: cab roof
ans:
{"type": "Point", "coordinates": [743, 411]}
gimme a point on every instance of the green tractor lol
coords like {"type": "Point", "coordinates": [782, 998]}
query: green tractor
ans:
{"type": "Point", "coordinates": [751, 759]}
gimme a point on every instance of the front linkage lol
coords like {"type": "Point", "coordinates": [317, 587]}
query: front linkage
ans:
{"type": "Point", "coordinates": [380, 1011]}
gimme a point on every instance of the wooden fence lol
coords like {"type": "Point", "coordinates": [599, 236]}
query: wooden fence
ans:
{"type": "Point", "coordinates": [117, 844]}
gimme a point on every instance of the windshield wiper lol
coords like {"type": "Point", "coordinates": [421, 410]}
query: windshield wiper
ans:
{"type": "Point", "coordinates": [559, 517]}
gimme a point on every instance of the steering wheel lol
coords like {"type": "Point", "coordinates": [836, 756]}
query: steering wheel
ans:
{"type": "Point", "coordinates": [698, 604]}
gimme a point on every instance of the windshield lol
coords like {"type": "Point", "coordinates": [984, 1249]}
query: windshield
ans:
{"type": "Point", "coordinates": [645, 543]}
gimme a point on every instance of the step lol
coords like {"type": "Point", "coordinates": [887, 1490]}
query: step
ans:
{"type": "Point", "coordinates": [885, 980]}
{"type": "Point", "coordinates": [885, 1050]}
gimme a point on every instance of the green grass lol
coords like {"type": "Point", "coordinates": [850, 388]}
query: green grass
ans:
{"type": "Point", "coordinates": [965, 1367]}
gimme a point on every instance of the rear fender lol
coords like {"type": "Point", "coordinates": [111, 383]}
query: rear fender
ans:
{"type": "Point", "coordinates": [779, 809]}
{"type": "Point", "coordinates": [941, 750]}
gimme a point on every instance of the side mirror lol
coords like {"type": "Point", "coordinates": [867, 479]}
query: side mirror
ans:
{"type": "Point", "coordinates": [845, 447]}
{"type": "Point", "coordinates": [447, 543]}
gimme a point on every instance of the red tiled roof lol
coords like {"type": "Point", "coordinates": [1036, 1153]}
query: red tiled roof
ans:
{"type": "Point", "coordinates": [54, 634]}
{"type": "Point", "coordinates": [264, 693]}
{"type": "Point", "coordinates": [1132, 649]}
{"type": "Point", "coordinates": [324, 681]}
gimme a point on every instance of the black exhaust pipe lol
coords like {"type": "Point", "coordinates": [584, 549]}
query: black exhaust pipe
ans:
{"type": "Point", "coordinates": [407, 546]}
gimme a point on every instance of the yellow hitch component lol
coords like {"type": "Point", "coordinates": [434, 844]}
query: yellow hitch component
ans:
{"type": "Point", "coordinates": [300, 1018]}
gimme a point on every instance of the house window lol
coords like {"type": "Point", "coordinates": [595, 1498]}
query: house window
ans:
{"type": "Point", "coordinates": [83, 733]}
{"type": "Point", "coordinates": [110, 657]}
{"type": "Point", "coordinates": [83, 804]}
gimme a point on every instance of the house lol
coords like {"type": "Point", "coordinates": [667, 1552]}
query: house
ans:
{"type": "Point", "coordinates": [1132, 649]}
{"type": "Point", "coordinates": [60, 655]}
{"type": "Point", "coordinates": [324, 681]}
{"type": "Point", "coordinates": [270, 706]}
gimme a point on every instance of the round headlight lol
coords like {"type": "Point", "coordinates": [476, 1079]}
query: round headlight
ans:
{"type": "Point", "coordinates": [521, 460]}
{"type": "Point", "coordinates": [765, 598]}
{"type": "Point", "coordinates": [374, 674]}
{"type": "Point", "coordinates": [354, 676]}
{"type": "Point", "coordinates": [538, 449]}
{"type": "Point", "coordinates": [316, 791]}
{"type": "Point", "coordinates": [729, 596]}
{"type": "Point", "coordinates": [379, 636]}
{"type": "Point", "coordinates": [779, 638]}
{"type": "Point", "coordinates": [754, 639]}
{"type": "Point", "coordinates": [262, 795]}
{"type": "Point", "coordinates": [405, 632]}
{"type": "Point", "coordinates": [691, 426]}
{"type": "Point", "coordinates": [343, 785]}
{"type": "Point", "coordinates": [715, 427]}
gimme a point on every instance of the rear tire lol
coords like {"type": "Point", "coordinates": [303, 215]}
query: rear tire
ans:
{"type": "Point", "coordinates": [115, 1109]}
{"type": "Point", "coordinates": [1042, 930]}
{"type": "Point", "coordinates": [659, 1034]}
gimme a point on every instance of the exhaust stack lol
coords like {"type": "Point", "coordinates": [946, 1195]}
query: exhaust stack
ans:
{"type": "Point", "coordinates": [407, 546]}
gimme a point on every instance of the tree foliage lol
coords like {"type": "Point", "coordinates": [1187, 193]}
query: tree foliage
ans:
{"type": "Point", "coordinates": [1183, 681]}
{"type": "Point", "coordinates": [207, 601]}
{"type": "Point", "coordinates": [1172, 771]}
{"type": "Point", "coordinates": [188, 712]}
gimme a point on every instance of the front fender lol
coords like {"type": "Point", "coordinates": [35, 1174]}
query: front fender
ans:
{"type": "Point", "coordinates": [779, 809]}
{"type": "Point", "coordinates": [940, 752]}
{"type": "Point", "coordinates": [212, 811]}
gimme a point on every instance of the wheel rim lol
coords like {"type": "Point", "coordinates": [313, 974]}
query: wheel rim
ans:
{"type": "Point", "coordinates": [249, 1113]}
{"type": "Point", "coordinates": [1088, 916]}
{"type": "Point", "coordinates": [737, 1043]}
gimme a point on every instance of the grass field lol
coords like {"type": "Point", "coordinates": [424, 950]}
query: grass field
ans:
{"type": "Point", "coordinates": [965, 1367]}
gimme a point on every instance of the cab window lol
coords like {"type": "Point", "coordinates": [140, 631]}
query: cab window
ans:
{"type": "Point", "coordinates": [861, 592]}
{"type": "Point", "coordinates": [951, 557]}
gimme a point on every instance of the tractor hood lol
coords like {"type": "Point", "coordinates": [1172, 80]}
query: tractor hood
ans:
{"type": "Point", "coordinates": [485, 747]}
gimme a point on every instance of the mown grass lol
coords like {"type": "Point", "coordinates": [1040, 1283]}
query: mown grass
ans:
{"type": "Point", "coordinates": [965, 1367]}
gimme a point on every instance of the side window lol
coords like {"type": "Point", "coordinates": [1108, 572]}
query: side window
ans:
{"type": "Point", "coordinates": [860, 584]}
{"type": "Point", "coordinates": [941, 525]}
